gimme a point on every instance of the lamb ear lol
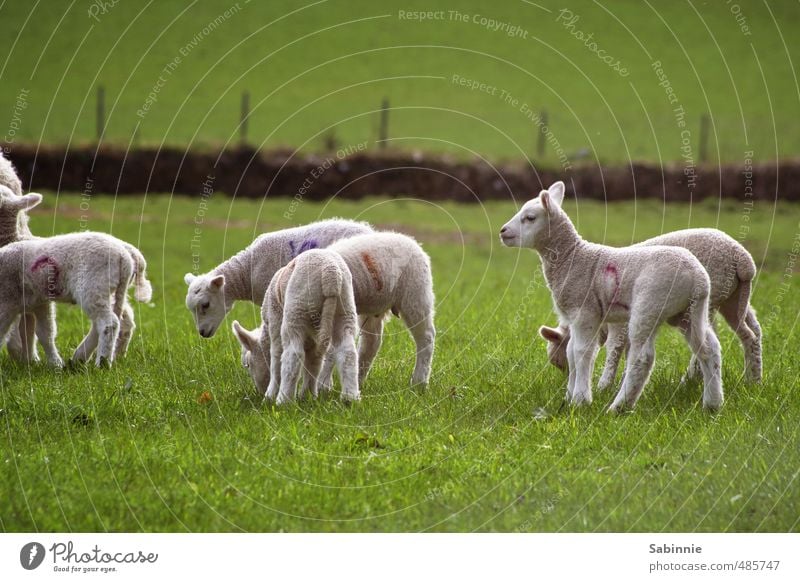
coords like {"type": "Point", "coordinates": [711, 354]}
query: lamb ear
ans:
{"type": "Point", "coordinates": [28, 201]}
{"type": "Point", "coordinates": [25, 202]}
{"type": "Point", "coordinates": [544, 196]}
{"type": "Point", "coordinates": [218, 281]}
{"type": "Point", "coordinates": [245, 337]}
{"type": "Point", "coordinates": [551, 334]}
{"type": "Point", "coordinates": [556, 192]}
{"type": "Point", "coordinates": [188, 278]}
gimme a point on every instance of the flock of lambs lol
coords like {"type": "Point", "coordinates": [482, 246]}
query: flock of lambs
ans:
{"type": "Point", "coordinates": [325, 290]}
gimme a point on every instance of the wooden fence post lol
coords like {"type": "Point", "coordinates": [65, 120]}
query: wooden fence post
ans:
{"type": "Point", "coordinates": [383, 128]}
{"type": "Point", "coordinates": [101, 112]}
{"type": "Point", "coordinates": [245, 117]}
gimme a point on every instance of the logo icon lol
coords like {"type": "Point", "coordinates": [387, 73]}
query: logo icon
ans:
{"type": "Point", "coordinates": [31, 555]}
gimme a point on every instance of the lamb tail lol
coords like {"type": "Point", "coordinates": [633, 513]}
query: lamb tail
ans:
{"type": "Point", "coordinates": [143, 291]}
{"type": "Point", "coordinates": [331, 288]}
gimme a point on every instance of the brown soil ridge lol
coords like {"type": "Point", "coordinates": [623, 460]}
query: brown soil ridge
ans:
{"type": "Point", "coordinates": [248, 173]}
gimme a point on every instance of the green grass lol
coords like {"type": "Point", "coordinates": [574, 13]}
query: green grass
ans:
{"type": "Point", "coordinates": [487, 447]}
{"type": "Point", "coordinates": [326, 67]}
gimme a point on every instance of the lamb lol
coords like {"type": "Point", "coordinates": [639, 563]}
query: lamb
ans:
{"type": "Point", "coordinates": [391, 273]}
{"type": "Point", "coordinates": [246, 275]}
{"type": "Point", "coordinates": [91, 269]}
{"type": "Point", "coordinates": [640, 287]}
{"type": "Point", "coordinates": [308, 311]}
{"type": "Point", "coordinates": [731, 270]}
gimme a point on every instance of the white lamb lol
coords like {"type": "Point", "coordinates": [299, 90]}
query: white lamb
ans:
{"type": "Point", "coordinates": [246, 275]}
{"type": "Point", "coordinates": [308, 311]}
{"type": "Point", "coordinates": [640, 287]}
{"type": "Point", "coordinates": [91, 269]}
{"type": "Point", "coordinates": [390, 272]}
{"type": "Point", "coordinates": [731, 270]}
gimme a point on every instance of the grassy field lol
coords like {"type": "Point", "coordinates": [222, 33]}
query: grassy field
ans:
{"type": "Point", "coordinates": [325, 67]}
{"type": "Point", "coordinates": [486, 448]}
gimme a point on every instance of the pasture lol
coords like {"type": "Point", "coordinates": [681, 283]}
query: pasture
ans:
{"type": "Point", "coordinates": [630, 80]}
{"type": "Point", "coordinates": [173, 437]}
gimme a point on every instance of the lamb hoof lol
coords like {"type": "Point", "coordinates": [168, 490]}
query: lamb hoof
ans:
{"type": "Point", "coordinates": [419, 386]}
{"type": "Point", "coordinates": [604, 385]}
{"type": "Point", "coordinates": [282, 399]}
{"type": "Point", "coordinates": [615, 409]}
{"type": "Point", "coordinates": [57, 363]}
{"type": "Point", "coordinates": [581, 399]}
{"type": "Point", "coordinates": [348, 399]}
{"type": "Point", "coordinates": [712, 405]}
{"type": "Point", "coordinates": [103, 362]}
{"type": "Point", "coordinates": [74, 365]}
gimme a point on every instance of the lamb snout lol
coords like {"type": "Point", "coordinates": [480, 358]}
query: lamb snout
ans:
{"type": "Point", "coordinates": [507, 235]}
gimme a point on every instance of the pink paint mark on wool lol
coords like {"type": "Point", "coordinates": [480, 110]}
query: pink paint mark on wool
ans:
{"type": "Point", "coordinates": [51, 283]}
{"type": "Point", "coordinates": [42, 261]}
{"type": "Point", "coordinates": [612, 272]}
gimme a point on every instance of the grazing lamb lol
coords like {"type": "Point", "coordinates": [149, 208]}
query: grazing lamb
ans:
{"type": "Point", "coordinates": [308, 310]}
{"type": "Point", "coordinates": [91, 269]}
{"type": "Point", "coordinates": [246, 275]}
{"type": "Point", "coordinates": [731, 270]}
{"type": "Point", "coordinates": [640, 287]}
{"type": "Point", "coordinates": [390, 272]}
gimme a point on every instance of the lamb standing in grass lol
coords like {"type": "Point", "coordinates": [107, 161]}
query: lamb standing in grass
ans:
{"type": "Point", "coordinates": [308, 310]}
{"type": "Point", "coordinates": [640, 287]}
{"type": "Point", "coordinates": [91, 269]}
{"type": "Point", "coordinates": [731, 270]}
{"type": "Point", "coordinates": [390, 272]}
{"type": "Point", "coordinates": [246, 276]}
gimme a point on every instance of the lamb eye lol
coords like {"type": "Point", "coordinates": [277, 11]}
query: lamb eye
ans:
{"type": "Point", "coordinates": [529, 218]}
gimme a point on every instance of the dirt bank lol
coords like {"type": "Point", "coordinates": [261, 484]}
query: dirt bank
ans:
{"type": "Point", "coordinates": [251, 174]}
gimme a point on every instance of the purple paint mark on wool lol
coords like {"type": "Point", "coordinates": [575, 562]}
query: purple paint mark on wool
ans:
{"type": "Point", "coordinates": [306, 245]}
